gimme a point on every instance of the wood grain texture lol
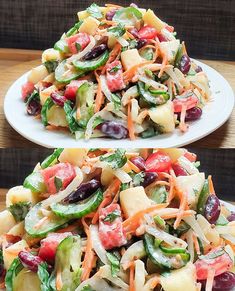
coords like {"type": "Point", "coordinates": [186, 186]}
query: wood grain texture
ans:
{"type": "Point", "coordinates": [224, 137]}
{"type": "Point", "coordinates": [206, 26]}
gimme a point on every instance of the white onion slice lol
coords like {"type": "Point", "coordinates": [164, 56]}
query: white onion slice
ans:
{"type": "Point", "coordinates": [97, 284]}
{"type": "Point", "coordinates": [152, 83]}
{"type": "Point", "coordinates": [135, 251]}
{"type": "Point", "coordinates": [189, 238]}
{"type": "Point", "coordinates": [105, 88]}
{"type": "Point", "coordinates": [122, 176]}
{"type": "Point", "coordinates": [140, 273]}
{"type": "Point", "coordinates": [132, 92]}
{"type": "Point", "coordinates": [123, 42]}
{"type": "Point", "coordinates": [169, 70]}
{"type": "Point", "coordinates": [97, 245]}
{"type": "Point", "coordinates": [191, 221]}
{"type": "Point", "coordinates": [105, 273]}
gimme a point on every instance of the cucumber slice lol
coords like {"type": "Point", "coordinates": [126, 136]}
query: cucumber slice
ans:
{"type": "Point", "coordinates": [92, 64]}
{"type": "Point", "coordinates": [35, 183]}
{"type": "Point", "coordinates": [11, 274]}
{"type": "Point", "coordinates": [61, 46]}
{"type": "Point", "coordinates": [127, 16]}
{"type": "Point", "coordinates": [70, 75]}
{"type": "Point", "coordinates": [203, 198]}
{"type": "Point", "coordinates": [78, 210]}
{"type": "Point", "coordinates": [34, 216]}
{"type": "Point", "coordinates": [52, 159]}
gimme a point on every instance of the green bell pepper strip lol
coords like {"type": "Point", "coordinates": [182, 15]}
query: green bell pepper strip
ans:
{"type": "Point", "coordinates": [73, 30]}
{"type": "Point", "coordinates": [92, 65]}
{"type": "Point", "coordinates": [35, 215]}
{"type": "Point", "coordinates": [61, 46]}
{"type": "Point", "coordinates": [46, 106]}
{"type": "Point", "coordinates": [150, 98]}
{"type": "Point", "coordinates": [203, 198]}
{"type": "Point", "coordinates": [127, 16]}
{"type": "Point", "coordinates": [12, 272]}
{"type": "Point", "coordinates": [35, 182]}
{"type": "Point", "coordinates": [172, 251]}
{"type": "Point", "coordinates": [70, 75]}
{"type": "Point", "coordinates": [178, 56]}
{"type": "Point", "coordinates": [52, 159]}
{"type": "Point", "coordinates": [78, 210]}
{"type": "Point", "coordinates": [162, 259]}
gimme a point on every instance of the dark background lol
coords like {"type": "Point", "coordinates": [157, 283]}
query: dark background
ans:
{"type": "Point", "coordinates": [207, 26]}
{"type": "Point", "coordinates": [16, 164]}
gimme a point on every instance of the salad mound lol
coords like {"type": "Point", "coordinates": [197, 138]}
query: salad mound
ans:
{"type": "Point", "coordinates": [106, 219]}
{"type": "Point", "coordinates": [119, 72]}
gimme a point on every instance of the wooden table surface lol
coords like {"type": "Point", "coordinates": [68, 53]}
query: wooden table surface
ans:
{"type": "Point", "coordinates": [13, 63]}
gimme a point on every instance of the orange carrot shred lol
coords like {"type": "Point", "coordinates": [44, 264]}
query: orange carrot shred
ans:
{"type": "Point", "coordinates": [99, 95]}
{"type": "Point", "coordinates": [211, 186]}
{"type": "Point", "coordinates": [132, 275]}
{"type": "Point", "coordinates": [133, 167]}
{"type": "Point", "coordinates": [130, 123]}
{"type": "Point", "coordinates": [58, 282]}
{"type": "Point", "coordinates": [196, 244]}
{"type": "Point", "coordinates": [114, 53]}
{"type": "Point", "coordinates": [40, 222]}
{"type": "Point", "coordinates": [130, 73]}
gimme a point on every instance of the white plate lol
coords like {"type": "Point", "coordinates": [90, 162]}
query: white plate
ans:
{"type": "Point", "coordinates": [230, 206]}
{"type": "Point", "coordinates": [215, 113]}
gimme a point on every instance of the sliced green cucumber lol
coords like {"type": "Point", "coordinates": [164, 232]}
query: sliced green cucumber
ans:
{"type": "Point", "coordinates": [92, 64]}
{"type": "Point", "coordinates": [61, 46]}
{"type": "Point", "coordinates": [52, 159]}
{"type": "Point", "coordinates": [35, 183]}
{"type": "Point", "coordinates": [65, 75]}
{"type": "Point", "coordinates": [203, 198]}
{"type": "Point", "coordinates": [78, 210]}
{"type": "Point", "coordinates": [15, 267]}
{"type": "Point", "coordinates": [34, 216]}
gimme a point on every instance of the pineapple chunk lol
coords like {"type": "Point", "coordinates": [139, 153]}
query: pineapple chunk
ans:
{"type": "Point", "coordinates": [50, 78]}
{"type": "Point", "coordinates": [174, 153]}
{"type": "Point", "coordinates": [171, 48]}
{"type": "Point", "coordinates": [178, 280]}
{"type": "Point", "coordinates": [151, 19]}
{"type": "Point", "coordinates": [74, 156]}
{"type": "Point", "coordinates": [163, 115]}
{"type": "Point", "coordinates": [37, 74]}
{"type": "Point", "coordinates": [107, 176]}
{"type": "Point", "coordinates": [112, 40]}
{"type": "Point", "coordinates": [56, 116]}
{"type": "Point", "coordinates": [89, 25]}
{"type": "Point", "coordinates": [210, 233]}
{"type": "Point", "coordinates": [7, 221]}
{"type": "Point", "coordinates": [10, 253]}
{"type": "Point", "coordinates": [44, 94]}
{"type": "Point", "coordinates": [192, 185]}
{"type": "Point", "coordinates": [51, 55]}
{"type": "Point", "coordinates": [17, 230]}
{"type": "Point", "coordinates": [20, 194]}
{"type": "Point", "coordinates": [133, 200]}
{"type": "Point", "coordinates": [84, 14]}
{"type": "Point", "coordinates": [130, 58]}
{"type": "Point", "coordinates": [27, 280]}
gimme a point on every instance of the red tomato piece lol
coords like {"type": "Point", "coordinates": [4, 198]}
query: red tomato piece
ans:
{"type": "Point", "coordinates": [111, 232]}
{"type": "Point", "coordinates": [147, 32]}
{"type": "Point", "coordinates": [63, 171]}
{"type": "Point", "coordinates": [26, 90]}
{"type": "Point", "coordinates": [161, 37]}
{"type": "Point", "coordinates": [158, 162]}
{"type": "Point", "coordinates": [114, 76]}
{"type": "Point", "coordinates": [220, 264]}
{"type": "Point", "coordinates": [189, 102]}
{"type": "Point", "coordinates": [179, 171]}
{"type": "Point", "coordinates": [49, 245]}
{"type": "Point", "coordinates": [80, 39]}
{"type": "Point", "coordinates": [190, 156]}
{"type": "Point", "coordinates": [71, 89]}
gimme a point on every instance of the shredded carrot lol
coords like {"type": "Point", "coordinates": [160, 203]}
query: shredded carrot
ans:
{"type": "Point", "coordinates": [89, 257]}
{"type": "Point", "coordinates": [164, 62]}
{"type": "Point", "coordinates": [113, 55]}
{"type": "Point", "coordinates": [196, 244]}
{"type": "Point", "coordinates": [133, 167]}
{"type": "Point", "coordinates": [175, 214]}
{"type": "Point", "coordinates": [78, 112]}
{"type": "Point", "coordinates": [58, 282]}
{"type": "Point", "coordinates": [130, 73]}
{"type": "Point", "coordinates": [41, 222]}
{"type": "Point", "coordinates": [99, 95]}
{"type": "Point", "coordinates": [132, 278]}
{"type": "Point", "coordinates": [211, 186]}
{"type": "Point", "coordinates": [133, 222]}
{"type": "Point", "coordinates": [210, 279]}
{"type": "Point", "coordinates": [183, 126]}
{"type": "Point", "coordinates": [130, 123]}
{"type": "Point", "coordinates": [130, 35]}
{"type": "Point", "coordinates": [110, 192]}
{"type": "Point", "coordinates": [171, 191]}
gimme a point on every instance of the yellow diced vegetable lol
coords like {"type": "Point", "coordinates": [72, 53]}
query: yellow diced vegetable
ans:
{"type": "Point", "coordinates": [37, 74]}
{"type": "Point", "coordinates": [51, 55]}
{"type": "Point", "coordinates": [17, 230]}
{"type": "Point", "coordinates": [7, 221]}
{"type": "Point", "coordinates": [107, 176]}
{"type": "Point", "coordinates": [89, 25]}
{"type": "Point", "coordinates": [44, 94]}
{"type": "Point", "coordinates": [27, 280]}
{"type": "Point", "coordinates": [56, 116]}
{"type": "Point", "coordinates": [170, 48]}
{"type": "Point", "coordinates": [20, 194]}
{"type": "Point", "coordinates": [130, 58]}
{"type": "Point", "coordinates": [151, 19]}
{"type": "Point", "coordinates": [174, 153]}
{"type": "Point", "coordinates": [74, 156]}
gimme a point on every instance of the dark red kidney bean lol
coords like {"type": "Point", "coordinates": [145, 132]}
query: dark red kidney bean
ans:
{"type": "Point", "coordinates": [30, 261]}
{"type": "Point", "coordinates": [58, 99]}
{"type": "Point", "coordinates": [198, 69]}
{"type": "Point", "coordinates": [212, 208]}
{"type": "Point", "coordinates": [225, 282]}
{"type": "Point", "coordinates": [95, 52]}
{"type": "Point", "coordinates": [139, 162]}
{"type": "Point", "coordinates": [185, 64]}
{"type": "Point", "coordinates": [134, 32]}
{"type": "Point", "coordinates": [141, 43]}
{"type": "Point", "coordinates": [34, 107]}
{"type": "Point", "coordinates": [179, 171]}
{"type": "Point", "coordinates": [114, 129]}
{"type": "Point", "coordinates": [193, 114]}
{"type": "Point", "coordinates": [231, 217]}
{"type": "Point", "coordinates": [110, 14]}
{"type": "Point", "coordinates": [84, 191]}
{"type": "Point", "coordinates": [149, 178]}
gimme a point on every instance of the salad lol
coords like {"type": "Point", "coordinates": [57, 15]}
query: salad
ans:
{"type": "Point", "coordinates": [119, 72]}
{"type": "Point", "coordinates": [106, 219]}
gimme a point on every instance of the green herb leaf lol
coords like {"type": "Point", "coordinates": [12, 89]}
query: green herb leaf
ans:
{"type": "Point", "coordinates": [1, 258]}
{"type": "Point", "coordinates": [51, 66]}
{"type": "Point", "coordinates": [112, 216]}
{"type": "Point", "coordinates": [94, 11]}
{"type": "Point", "coordinates": [132, 44]}
{"type": "Point", "coordinates": [147, 54]}
{"type": "Point", "coordinates": [44, 276]}
{"type": "Point", "coordinates": [138, 179]}
{"type": "Point", "coordinates": [115, 264]}
{"type": "Point", "coordinates": [15, 267]}
{"type": "Point", "coordinates": [73, 125]}
{"type": "Point", "coordinates": [19, 210]}
{"type": "Point", "coordinates": [78, 46]}
{"type": "Point", "coordinates": [116, 160]}
{"type": "Point", "coordinates": [148, 133]}
{"type": "Point", "coordinates": [98, 120]}
{"type": "Point", "coordinates": [159, 194]}
{"type": "Point", "coordinates": [118, 30]}
{"type": "Point", "coordinates": [33, 96]}
{"type": "Point", "coordinates": [46, 106]}
{"type": "Point", "coordinates": [73, 30]}
{"type": "Point", "coordinates": [116, 101]}
{"type": "Point", "coordinates": [115, 69]}
{"type": "Point", "coordinates": [124, 186]}
{"type": "Point", "coordinates": [58, 183]}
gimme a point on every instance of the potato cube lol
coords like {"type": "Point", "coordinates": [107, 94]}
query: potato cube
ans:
{"type": "Point", "coordinates": [151, 19]}
{"type": "Point", "coordinates": [17, 230]}
{"type": "Point", "coordinates": [74, 156]}
{"type": "Point", "coordinates": [10, 253]}
{"type": "Point", "coordinates": [130, 58]}
{"type": "Point", "coordinates": [171, 48]}
{"type": "Point", "coordinates": [56, 116]}
{"type": "Point", "coordinates": [89, 25]}
{"type": "Point", "coordinates": [44, 94]}
{"type": "Point", "coordinates": [37, 74]}
{"type": "Point", "coordinates": [51, 55]}
{"type": "Point", "coordinates": [7, 221]}
{"type": "Point", "coordinates": [20, 194]}
{"type": "Point", "coordinates": [174, 153]}
{"type": "Point", "coordinates": [133, 200]}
